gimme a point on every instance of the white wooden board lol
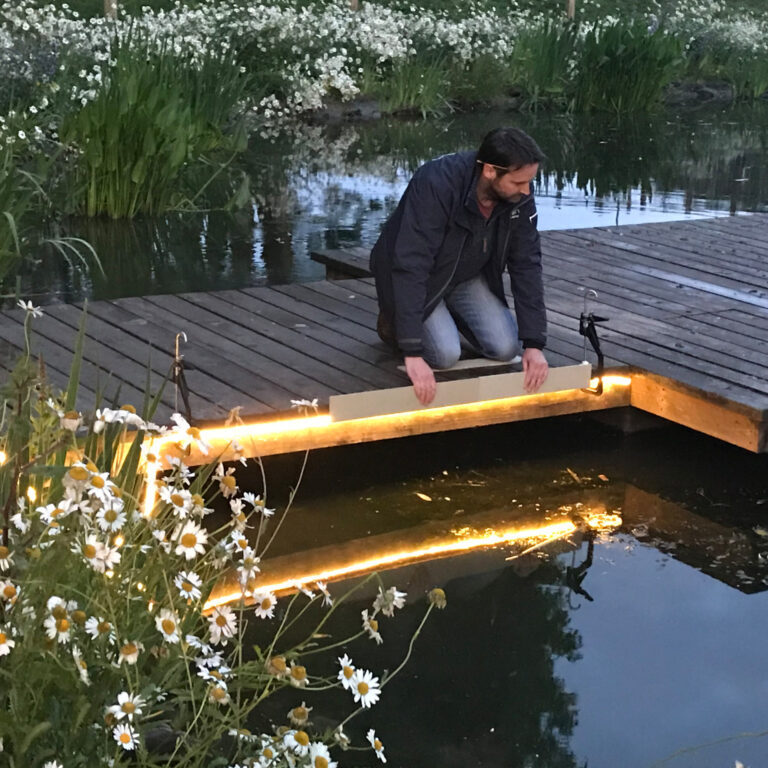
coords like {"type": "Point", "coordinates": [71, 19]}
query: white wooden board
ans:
{"type": "Point", "coordinates": [360, 405]}
{"type": "Point", "coordinates": [475, 362]}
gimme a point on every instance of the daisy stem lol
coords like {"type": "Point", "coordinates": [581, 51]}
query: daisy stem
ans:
{"type": "Point", "coordinates": [334, 645]}
{"type": "Point", "coordinates": [410, 646]}
{"type": "Point", "coordinates": [280, 630]}
{"type": "Point", "coordinates": [291, 497]}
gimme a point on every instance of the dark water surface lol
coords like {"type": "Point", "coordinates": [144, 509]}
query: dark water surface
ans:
{"type": "Point", "coordinates": [647, 642]}
{"type": "Point", "coordinates": [328, 186]}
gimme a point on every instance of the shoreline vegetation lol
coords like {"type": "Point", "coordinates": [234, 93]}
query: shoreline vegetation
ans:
{"type": "Point", "coordinates": [148, 113]}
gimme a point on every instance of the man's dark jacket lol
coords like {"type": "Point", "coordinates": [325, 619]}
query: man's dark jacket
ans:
{"type": "Point", "coordinates": [419, 248]}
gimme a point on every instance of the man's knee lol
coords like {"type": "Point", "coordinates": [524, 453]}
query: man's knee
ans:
{"type": "Point", "coordinates": [503, 349]}
{"type": "Point", "coordinates": [443, 356]}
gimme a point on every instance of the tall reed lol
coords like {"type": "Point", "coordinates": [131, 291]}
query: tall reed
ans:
{"type": "Point", "coordinates": [624, 68]}
{"type": "Point", "coordinates": [158, 113]}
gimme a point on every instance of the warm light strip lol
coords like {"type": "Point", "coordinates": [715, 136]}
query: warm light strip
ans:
{"type": "Point", "coordinates": [393, 558]}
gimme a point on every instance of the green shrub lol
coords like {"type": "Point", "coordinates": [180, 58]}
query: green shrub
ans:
{"type": "Point", "coordinates": [624, 68]}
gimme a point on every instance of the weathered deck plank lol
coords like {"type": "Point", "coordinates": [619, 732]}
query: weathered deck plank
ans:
{"type": "Point", "coordinates": [686, 301]}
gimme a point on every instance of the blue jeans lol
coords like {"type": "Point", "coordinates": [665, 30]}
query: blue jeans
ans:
{"type": "Point", "coordinates": [472, 311]}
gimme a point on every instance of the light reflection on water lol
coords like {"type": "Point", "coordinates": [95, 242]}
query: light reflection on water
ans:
{"type": "Point", "coordinates": [651, 644]}
{"type": "Point", "coordinates": [319, 187]}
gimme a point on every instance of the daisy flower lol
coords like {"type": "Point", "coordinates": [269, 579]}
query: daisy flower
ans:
{"type": "Point", "coordinates": [265, 604]}
{"type": "Point", "coordinates": [319, 756]}
{"type": "Point", "coordinates": [5, 641]}
{"type": "Point", "coordinates": [6, 558]}
{"type": "Point", "coordinates": [58, 628]}
{"type": "Point", "coordinates": [299, 716]}
{"type": "Point", "coordinates": [129, 652]}
{"type": "Point", "coordinates": [179, 499]}
{"type": "Point", "coordinates": [226, 480]}
{"type": "Point", "coordinates": [277, 667]}
{"type": "Point", "coordinates": [191, 539]}
{"type": "Point", "coordinates": [346, 672]}
{"type": "Point", "coordinates": [298, 675]}
{"type": "Point", "coordinates": [9, 593]}
{"type": "Point", "coordinates": [249, 565]}
{"type": "Point", "coordinates": [218, 694]}
{"type": "Point", "coordinates": [51, 764]}
{"type": "Point", "coordinates": [323, 588]}
{"type": "Point", "coordinates": [128, 705]}
{"type": "Point", "coordinates": [197, 643]}
{"type": "Point", "coordinates": [378, 747]}
{"type": "Point", "coordinates": [189, 435]}
{"type": "Point", "coordinates": [30, 308]}
{"type": "Point", "coordinates": [297, 742]}
{"type": "Point", "coordinates": [365, 688]}
{"type": "Point", "coordinates": [386, 602]}
{"type": "Point", "coordinates": [82, 667]}
{"type": "Point", "coordinates": [223, 624]}
{"type": "Point", "coordinates": [125, 736]}
{"type": "Point", "coordinates": [188, 583]}
{"type": "Point", "coordinates": [111, 518]}
{"type": "Point", "coordinates": [97, 627]}
{"type": "Point", "coordinates": [168, 624]}
{"type": "Point", "coordinates": [371, 626]}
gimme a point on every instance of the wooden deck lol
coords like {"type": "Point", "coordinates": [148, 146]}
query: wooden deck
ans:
{"type": "Point", "coordinates": [687, 302]}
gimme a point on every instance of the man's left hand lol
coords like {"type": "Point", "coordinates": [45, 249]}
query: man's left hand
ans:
{"type": "Point", "coordinates": [535, 368]}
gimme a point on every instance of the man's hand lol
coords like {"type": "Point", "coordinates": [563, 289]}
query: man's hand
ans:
{"type": "Point", "coordinates": [535, 368]}
{"type": "Point", "coordinates": [422, 377]}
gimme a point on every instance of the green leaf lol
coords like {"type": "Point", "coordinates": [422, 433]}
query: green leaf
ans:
{"type": "Point", "coordinates": [77, 361]}
{"type": "Point", "coordinates": [33, 734]}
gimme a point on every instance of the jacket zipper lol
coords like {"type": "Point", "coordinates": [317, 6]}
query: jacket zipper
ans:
{"type": "Point", "coordinates": [442, 291]}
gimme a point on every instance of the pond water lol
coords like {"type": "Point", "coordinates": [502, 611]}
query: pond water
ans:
{"type": "Point", "coordinates": [329, 186]}
{"type": "Point", "coordinates": [643, 644]}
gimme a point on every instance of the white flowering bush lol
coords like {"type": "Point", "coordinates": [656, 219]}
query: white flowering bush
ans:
{"type": "Point", "coordinates": [111, 650]}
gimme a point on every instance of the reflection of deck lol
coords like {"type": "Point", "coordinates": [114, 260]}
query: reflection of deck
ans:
{"type": "Point", "coordinates": [687, 302]}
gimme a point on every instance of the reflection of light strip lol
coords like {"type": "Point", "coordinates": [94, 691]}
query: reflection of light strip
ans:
{"type": "Point", "coordinates": [611, 381]}
{"type": "Point", "coordinates": [393, 558]}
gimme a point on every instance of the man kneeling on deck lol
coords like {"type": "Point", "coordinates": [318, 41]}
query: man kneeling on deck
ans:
{"type": "Point", "coordinates": [440, 259]}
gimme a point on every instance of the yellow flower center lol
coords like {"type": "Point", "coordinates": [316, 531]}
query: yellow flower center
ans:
{"type": "Point", "coordinates": [152, 458]}
{"type": "Point", "coordinates": [218, 693]}
{"type": "Point", "coordinates": [128, 707]}
{"type": "Point", "coordinates": [194, 432]}
{"type": "Point", "coordinates": [97, 482]}
{"type": "Point", "coordinates": [302, 738]}
{"type": "Point", "coordinates": [216, 674]}
{"type": "Point", "coordinates": [266, 604]}
{"type": "Point", "coordinates": [78, 474]}
{"type": "Point", "coordinates": [221, 620]}
{"type": "Point", "coordinates": [321, 762]}
{"type": "Point", "coordinates": [4, 552]}
{"type": "Point", "coordinates": [125, 738]}
{"type": "Point", "coordinates": [129, 649]}
{"type": "Point", "coordinates": [374, 625]}
{"type": "Point", "coordinates": [89, 551]}
{"type": "Point", "coordinates": [198, 500]}
{"type": "Point", "coordinates": [59, 612]}
{"type": "Point", "coordinates": [348, 672]}
{"type": "Point", "coordinates": [186, 586]}
{"type": "Point", "coordinates": [268, 753]}
{"type": "Point", "coordinates": [74, 415]}
{"type": "Point", "coordinates": [3, 638]}
{"type": "Point", "coordinates": [110, 515]}
{"type": "Point", "coordinates": [128, 408]}
{"type": "Point", "coordinates": [79, 617]}
{"type": "Point", "coordinates": [62, 625]}
{"type": "Point", "coordinates": [377, 745]}
{"type": "Point", "coordinates": [298, 672]}
{"type": "Point", "coordinates": [242, 543]}
{"type": "Point", "coordinates": [300, 713]}
{"type": "Point", "coordinates": [92, 467]}
{"type": "Point", "coordinates": [103, 627]}
{"type": "Point", "coordinates": [56, 512]}
{"type": "Point", "coordinates": [9, 592]}
{"type": "Point", "coordinates": [228, 482]}
{"type": "Point", "coordinates": [188, 540]}
{"type": "Point", "coordinates": [82, 664]}
{"type": "Point", "coordinates": [362, 688]}
{"type": "Point", "coordinates": [169, 626]}
{"type": "Point", "coordinates": [278, 664]}
{"type": "Point", "coordinates": [177, 500]}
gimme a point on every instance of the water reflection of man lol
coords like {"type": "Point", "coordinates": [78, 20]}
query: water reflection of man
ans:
{"type": "Point", "coordinates": [440, 260]}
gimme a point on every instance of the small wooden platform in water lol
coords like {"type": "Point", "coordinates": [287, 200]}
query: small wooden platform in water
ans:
{"type": "Point", "coordinates": [687, 302]}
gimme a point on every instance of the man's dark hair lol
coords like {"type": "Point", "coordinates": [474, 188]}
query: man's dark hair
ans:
{"type": "Point", "coordinates": [509, 148]}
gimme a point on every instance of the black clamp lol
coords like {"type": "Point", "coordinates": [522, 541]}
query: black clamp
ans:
{"type": "Point", "coordinates": [588, 329]}
{"type": "Point", "coordinates": [180, 381]}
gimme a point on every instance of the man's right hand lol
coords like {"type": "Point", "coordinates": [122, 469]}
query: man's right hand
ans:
{"type": "Point", "coordinates": [422, 377]}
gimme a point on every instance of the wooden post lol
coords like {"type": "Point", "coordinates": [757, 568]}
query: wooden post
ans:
{"type": "Point", "coordinates": [110, 9]}
{"type": "Point", "coordinates": [571, 9]}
